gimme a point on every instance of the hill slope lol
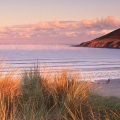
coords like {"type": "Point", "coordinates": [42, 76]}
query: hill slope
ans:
{"type": "Point", "coordinates": [110, 40]}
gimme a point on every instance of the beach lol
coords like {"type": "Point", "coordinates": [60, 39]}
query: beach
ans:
{"type": "Point", "coordinates": [111, 89]}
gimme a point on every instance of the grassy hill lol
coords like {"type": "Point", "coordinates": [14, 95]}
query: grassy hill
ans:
{"type": "Point", "coordinates": [110, 40]}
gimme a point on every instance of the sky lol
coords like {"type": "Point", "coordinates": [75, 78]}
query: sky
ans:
{"type": "Point", "coordinates": [56, 21]}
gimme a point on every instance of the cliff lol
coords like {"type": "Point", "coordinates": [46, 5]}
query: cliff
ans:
{"type": "Point", "coordinates": [110, 40]}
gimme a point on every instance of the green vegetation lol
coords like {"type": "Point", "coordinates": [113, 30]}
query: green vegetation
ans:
{"type": "Point", "coordinates": [58, 96]}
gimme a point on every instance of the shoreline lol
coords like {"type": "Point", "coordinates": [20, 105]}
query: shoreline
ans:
{"type": "Point", "coordinates": [103, 88]}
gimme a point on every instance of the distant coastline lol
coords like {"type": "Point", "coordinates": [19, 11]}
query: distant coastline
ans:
{"type": "Point", "coordinates": [110, 40]}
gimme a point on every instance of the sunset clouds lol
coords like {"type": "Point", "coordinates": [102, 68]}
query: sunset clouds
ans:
{"type": "Point", "coordinates": [70, 32]}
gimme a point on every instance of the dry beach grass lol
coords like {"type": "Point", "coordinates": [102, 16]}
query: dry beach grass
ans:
{"type": "Point", "coordinates": [58, 96]}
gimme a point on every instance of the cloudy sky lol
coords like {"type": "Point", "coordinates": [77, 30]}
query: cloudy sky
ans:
{"type": "Point", "coordinates": [56, 21]}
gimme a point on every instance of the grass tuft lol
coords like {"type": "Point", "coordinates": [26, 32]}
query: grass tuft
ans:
{"type": "Point", "coordinates": [58, 96]}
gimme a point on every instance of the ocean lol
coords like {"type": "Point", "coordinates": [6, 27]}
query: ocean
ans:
{"type": "Point", "coordinates": [91, 63]}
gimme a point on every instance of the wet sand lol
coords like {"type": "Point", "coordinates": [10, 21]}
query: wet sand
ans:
{"type": "Point", "coordinates": [104, 88]}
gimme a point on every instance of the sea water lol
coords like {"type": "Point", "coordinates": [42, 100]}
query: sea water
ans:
{"type": "Point", "coordinates": [93, 63]}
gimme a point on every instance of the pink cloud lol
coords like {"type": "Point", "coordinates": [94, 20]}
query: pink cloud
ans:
{"type": "Point", "coordinates": [109, 22]}
{"type": "Point", "coordinates": [44, 25]}
{"type": "Point", "coordinates": [58, 24]}
{"type": "Point", "coordinates": [2, 30]}
{"type": "Point", "coordinates": [70, 34]}
{"type": "Point", "coordinates": [58, 32]}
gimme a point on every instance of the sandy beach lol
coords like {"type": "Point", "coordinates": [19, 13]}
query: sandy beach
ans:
{"type": "Point", "coordinates": [104, 88]}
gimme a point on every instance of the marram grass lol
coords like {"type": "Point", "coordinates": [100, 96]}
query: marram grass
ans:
{"type": "Point", "coordinates": [58, 96]}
